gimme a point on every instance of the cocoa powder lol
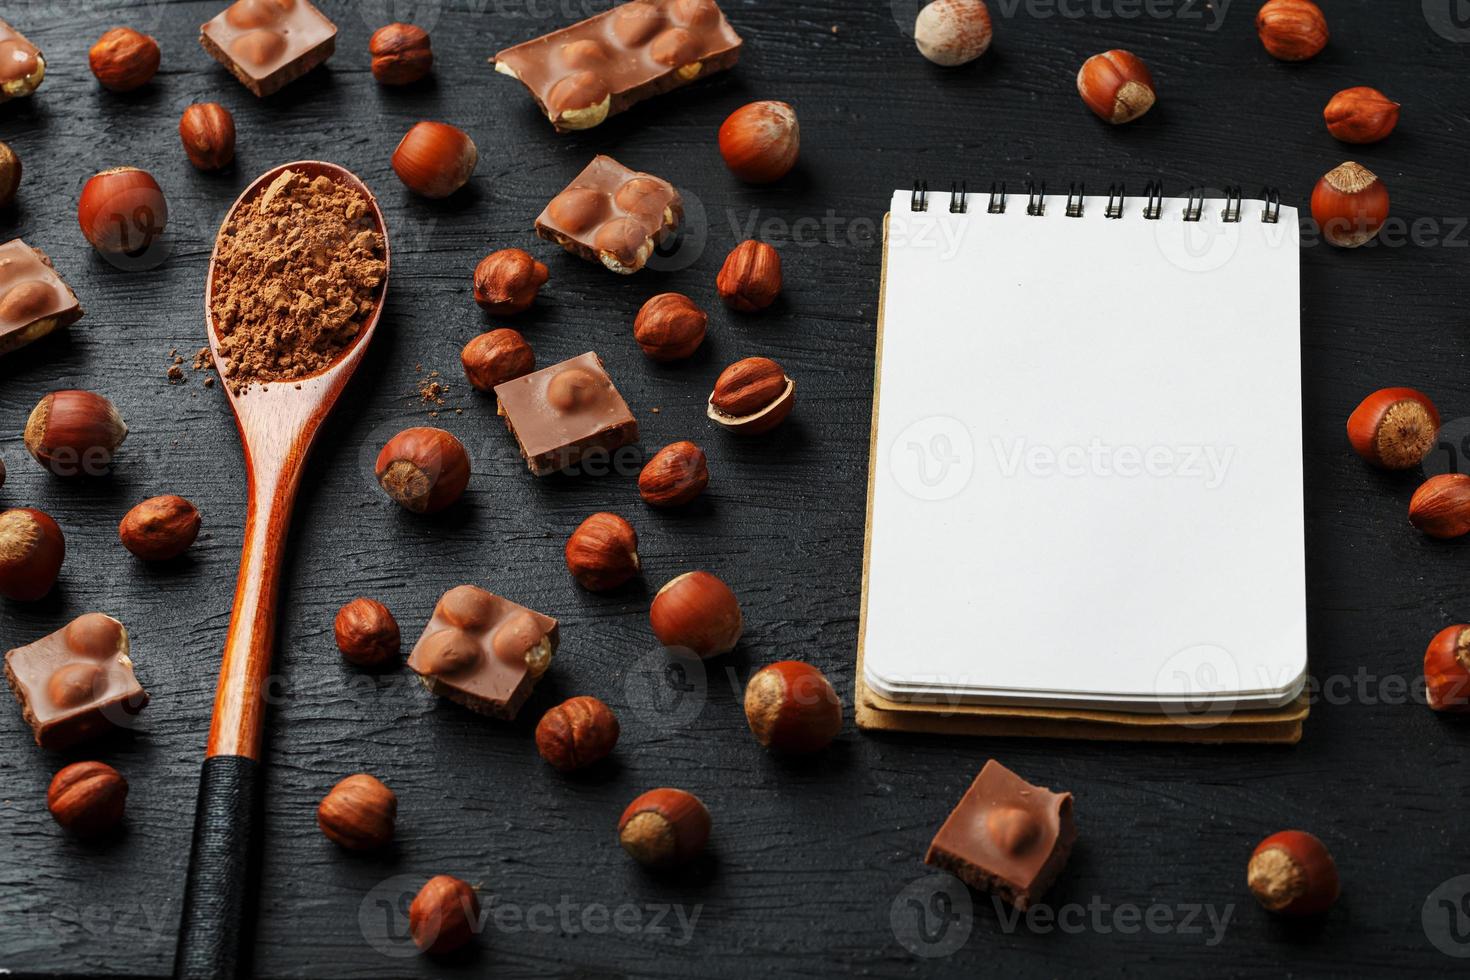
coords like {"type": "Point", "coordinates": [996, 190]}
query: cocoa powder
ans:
{"type": "Point", "coordinates": [296, 279]}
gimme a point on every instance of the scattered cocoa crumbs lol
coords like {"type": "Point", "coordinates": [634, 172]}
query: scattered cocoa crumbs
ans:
{"type": "Point", "coordinates": [209, 382]}
{"type": "Point", "coordinates": [297, 277]}
{"type": "Point", "coordinates": [203, 359]}
{"type": "Point", "coordinates": [175, 374]}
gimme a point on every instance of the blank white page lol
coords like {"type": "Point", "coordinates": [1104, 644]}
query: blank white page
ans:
{"type": "Point", "coordinates": [1087, 470]}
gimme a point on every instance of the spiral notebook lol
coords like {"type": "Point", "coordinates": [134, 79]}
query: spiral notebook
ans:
{"type": "Point", "coordinates": [1086, 476]}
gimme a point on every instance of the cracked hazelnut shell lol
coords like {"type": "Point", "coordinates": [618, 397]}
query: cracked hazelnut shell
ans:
{"type": "Point", "coordinates": [752, 397]}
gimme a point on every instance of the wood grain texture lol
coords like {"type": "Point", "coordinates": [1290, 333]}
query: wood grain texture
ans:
{"type": "Point", "coordinates": [808, 860]}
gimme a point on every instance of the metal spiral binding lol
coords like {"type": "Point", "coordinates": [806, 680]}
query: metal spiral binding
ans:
{"type": "Point", "coordinates": [1231, 214]}
{"type": "Point", "coordinates": [959, 198]}
{"type": "Point", "coordinates": [1272, 197]}
{"type": "Point", "coordinates": [997, 201]}
{"type": "Point", "coordinates": [1035, 203]}
{"type": "Point", "coordinates": [1194, 208]}
{"type": "Point", "coordinates": [1116, 194]}
{"type": "Point", "coordinates": [1075, 194]}
{"type": "Point", "coordinates": [1154, 209]}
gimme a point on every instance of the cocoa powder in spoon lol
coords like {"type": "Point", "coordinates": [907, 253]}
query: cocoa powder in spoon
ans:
{"type": "Point", "coordinates": [296, 279]}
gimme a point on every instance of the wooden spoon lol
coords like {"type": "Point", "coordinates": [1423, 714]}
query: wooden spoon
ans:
{"type": "Point", "coordinates": [278, 425]}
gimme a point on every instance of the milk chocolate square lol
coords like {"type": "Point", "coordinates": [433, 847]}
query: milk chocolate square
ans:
{"type": "Point", "coordinates": [268, 44]}
{"type": "Point", "coordinates": [584, 74]}
{"type": "Point", "coordinates": [484, 652]}
{"type": "Point", "coordinates": [562, 413]}
{"type": "Point", "coordinates": [76, 683]}
{"type": "Point", "coordinates": [1006, 836]}
{"type": "Point", "coordinates": [612, 215]}
{"type": "Point", "coordinates": [34, 300]}
{"type": "Point", "coordinates": [22, 66]}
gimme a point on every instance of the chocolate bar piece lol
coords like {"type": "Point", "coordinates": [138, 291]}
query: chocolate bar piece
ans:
{"type": "Point", "coordinates": [484, 652]}
{"type": "Point", "coordinates": [268, 44]}
{"type": "Point", "coordinates": [612, 215]}
{"type": "Point", "coordinates": [76, 683]}
{"type": "Point", "coordinates": [22, 66]}
{"type": "Point", "coordinates": [561, 413]}
{"type": "Point", "coordinates": [34, 301]}
{"type": "Point", "coordinates": [1006, 836]}
{"type": "Point", "coordinates": [581, 75]}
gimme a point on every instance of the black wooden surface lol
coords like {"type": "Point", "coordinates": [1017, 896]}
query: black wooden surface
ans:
{"type": "Point", "coordinates": [811, 864]}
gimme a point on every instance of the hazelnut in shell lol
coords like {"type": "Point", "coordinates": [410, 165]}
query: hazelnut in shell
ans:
{"type": "Point", "coordinates": [953, 32]}
{"type": "Point", "coordinates": [31, 552]}
{"type": "Point", "coordinates": [792, 708]}
{"type": "Point", "coordinates": [1394, 428]}
{"type": "Point", "coordinates": [1447, 669]}
{"type": "Point", "coordinates": [75, 433]}
{"type": "Point", "coordinates": [664, 828]}
{"type": "Point", "coordinates": [122, 211]}
{"type": "Point", "coordinates": [1350, 205]}
{"type": "Point", "coordinates": [760, 142]}
{"type": "Point", "coordinates": [435, 159]}
{"type": "Point", "coordinates": [424, 469]}
{"type": "Point", "coordinates": [697, 612]}
{"type": "Point", "coordinates": [1117, 86]}
{"type": "Point", "coordinates": [1291, 873]}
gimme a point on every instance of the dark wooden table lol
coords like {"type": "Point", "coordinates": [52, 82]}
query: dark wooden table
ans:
{"type": "Point", "coordinates": [815, 868]}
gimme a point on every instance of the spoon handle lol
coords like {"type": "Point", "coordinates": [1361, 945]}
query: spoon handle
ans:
{"type": "Point", "coordinates": [215, 937]}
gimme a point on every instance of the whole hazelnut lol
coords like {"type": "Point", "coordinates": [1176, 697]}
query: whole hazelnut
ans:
{"type": "Point", "coordinates": [1394, 428]}
{"type": "Point", "coordinates": [675, 475]}
{"type": "Point", "coordinates": [1447, 669]}
{"type": "Point", "coordinates": [1441, 506]}
{"type": "Point", "coordinates": [507, 281]}
{"type": "Point", "coordinates": [697, 612]}
{"type": "Point", "coordinates": [761, 141]}
{"type": "Point", "coordinates": [664, 828]}
{"type": "Point", "coordinates": [435, 159]}
{"type": "Point", "coordinates": [791, 707]}
{"type": "Point", "coordinates": [75, 433]}
{"type": "Point", "coordinates": [496, 357]}
{"type": "Point", "coordinates": [122, 211]}
{"type": "Point", "coordinates": [31, 552]}
{"type": "Point", "coordinates": [208, 133]}
{"type": "Point", "coordinates": [123, 59]}
{"type": "Point", "coordinates": [444, 915]}
{"type": "Point", "coordinates": [602, 552]}
{"type": "Point", "coordinates": [1350, 205]}
{"type": "Point", "coordinates": [750, 279]}
{"type": "Point", "coordinates": [670, 327]}
{"type": "Point", "coordinates": [424, 469]}
{"type": "Point", "coordinates": [953, 32]}
{"type": "Point", "coordinates": [1292, 30]}
{"type": "Point", "coordinates": [1117, 86]}
{"type": "Point", "coordinates": [160, 529]}
{"type": "Point", "coordinates": [1361, 115]}
{"type": "Point", "coordinates": [10, 171]}
{"type": "Point", "coordinates": [401, 54]}
{"type": "Point", "coordinates": [577, 733]}
{"type": "Point", "coordinates": [358, 813]}
{"type": "Point", "coordinates": [752, 396]}
{"type": "Point", "coordinates": [1291, 873]}
{"type": "Point", "coordinates": [88, 798]}
{"type": "Point", "coordinates": [367, 634]}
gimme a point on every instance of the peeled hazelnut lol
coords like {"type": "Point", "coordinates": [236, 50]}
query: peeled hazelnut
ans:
{"type": "Point", "coordinates": [1350, 205]}
{"type": "Point", "coordinates": [1394, 428]}
{"type": "Point", "coordinates": [1447, 669]}
{"type": "Point", "coordinates": [424, 469]}
{"type": "Point", "coordinates": [1291, 873]}
{"type": "Point", "coordinates": [750, 279]}
{"type": "Point", "coordinates": [602, 552]}
{"type": "Point", "coordinates": [122, 211]}
{"type": "Point", "coordinates": [752, 396]}
{"type": "Point", "coordinates": [1292, 30]}
{"type": "Point", "coordinates": [444, 915]}
{"type": "Point", "coordinates": [88, 798]}
{"type": "Point", "coordinates": [31, 552]}
{"type": "Point", "coordinates": [123, 59]}
{"type": "Point", "coordinates": [435, 159]}
{"type": "Point", "coordinates": [208, 133]}
{"type": "Point", "coordinates": [1361, 115]}
{"type": "Point", "coordinates": [697, 612]}
{"type": "Point", "coordinates": [577, 733]}
{"type": "Point", "coordinates": [10, 171]}
{"type": "Point", "coordinates": [670, 327]}
{"type": "Point", "coordinates": [953, 32]}
{"type": "Point", "coordinates": [507, 281]}
{"type": "Point", "coordinates": [496, 357]}
{"type": "Point", "coordinates": [791, 707]}
{"type": "Point", "coordinates": [675, 475]}
{"type": "Point", "coordinates": [1117, 86]}
{"type": "Point", "coordinates": [367, 634]}
{"type": "Point", "coordinates": [401, 54]}
{"type": "Point", "coordinates": [358, 813]}
{"type": "Point", "coordinates": [1441, 506]}
{"type": "Point", "coordinates": [160, 529]}
{"type": "Point", "coordinates": [664, 828]}
{"type": "Point", "coordinates": [75, 433]}
{"type": "Point", "coordinates": [761, 141]}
